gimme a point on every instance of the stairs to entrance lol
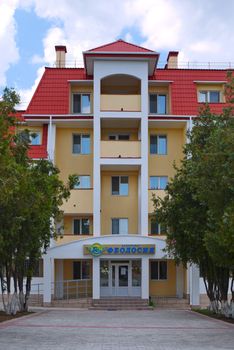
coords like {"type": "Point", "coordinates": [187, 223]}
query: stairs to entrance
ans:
{"type": "Point", "coordinates": [120, 304]}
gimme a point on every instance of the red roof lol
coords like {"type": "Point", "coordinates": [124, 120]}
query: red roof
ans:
{"type": "Point", "coordinates": [120, 46]}
{"type": "Point", "coordinates": [52, 93]}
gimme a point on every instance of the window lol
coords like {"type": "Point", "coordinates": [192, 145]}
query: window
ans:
{"type": "Point", "coordinates": [81, 226]}
{"type": "Point", "coordinates": [156, 228]}
{"type": "Point", "coordinates": [211, 96]}
{"type": "Point", "coordinates": [33, 137]}
{"type": "Point", "coordinates": [158, 144]}
{"type": "Point", "coordinates": [38, 268]}
{"type": "Point", "coordinates": [119, 185]}
{"type": "Point", "coordinates": [84, 182]}
{"type": "Point", "coordinates": [81, 270]}
{"type": "Point", "coordinates": [119, 226]}
{"type": "Point", "coordinates": [81, 144]}
{"type": "Point", "coordinates": [81, 103]}
{"type": "Point", "coordinates": [158, 182]}
{"type": "Point", "coordinates": [157, 104]}
{"type": "Point", "coordinates": [158, 270]}
{"type": "Point", "coordinates": [120, 137]}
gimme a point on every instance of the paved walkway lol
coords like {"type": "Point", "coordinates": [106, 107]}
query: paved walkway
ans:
{"type": "Point", "coordinates": [112, 330]}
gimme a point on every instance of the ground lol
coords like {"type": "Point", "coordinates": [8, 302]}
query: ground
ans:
{"type": "Point", "coordinates": [112, 330]}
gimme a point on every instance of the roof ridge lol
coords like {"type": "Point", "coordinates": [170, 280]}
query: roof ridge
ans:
{"type": "Point", "coordinates": [120, 40]}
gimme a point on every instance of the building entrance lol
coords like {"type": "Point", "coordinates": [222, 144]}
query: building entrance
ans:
{"type": "Point", "coordinates": [120, 278]}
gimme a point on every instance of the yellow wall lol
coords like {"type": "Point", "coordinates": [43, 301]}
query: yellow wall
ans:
{"type": "Point", "coordinates": [119, 206]}
{"type": "Point", "coordinates": [120, 102]}
{"type": "Point", "coordinates": [124, 149]}
{"type": "Point", "coordinates": [80, 201]}
{"type": "Point", "coordinates": [167, 287]}
{"type": "Point", "coordinates": [133, 133]}
{"type": "Point", "coordinates": [69, 163]}
{"type": "Point", "coordinates": [160, 165]}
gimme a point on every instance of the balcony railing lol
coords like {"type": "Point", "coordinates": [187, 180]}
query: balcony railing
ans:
{"type": "Point", "coordinates": [120, 149]}
{"type": "Point", "coordinates": [121, 103]}
{"type": "Point", "coordinates": [72, 289]}
{"type": "Point", "coordinates": [81, 201]}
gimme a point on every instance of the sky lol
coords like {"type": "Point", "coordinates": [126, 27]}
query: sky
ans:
{"type": "Point", "coordinates": [201, 30]}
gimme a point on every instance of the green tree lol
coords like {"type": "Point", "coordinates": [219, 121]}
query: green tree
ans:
{"type": "Point", "coordinates": [199, 206]}
{"type": "Point", "coordinates": [31, 194]}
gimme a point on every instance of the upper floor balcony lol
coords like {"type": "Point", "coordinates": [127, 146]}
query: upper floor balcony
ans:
{"type": "Point", "coordinates": [120, 93]}
{"type": "Point", "coordinates": [80, 201]}
{"type": "Point", "coordinates": [120, 149]}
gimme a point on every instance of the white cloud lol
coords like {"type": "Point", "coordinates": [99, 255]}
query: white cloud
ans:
{"type": "Point", "coordinates": [200, 30]}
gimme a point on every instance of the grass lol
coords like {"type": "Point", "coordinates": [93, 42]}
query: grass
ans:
{"type": "Point", "coordinates": [5, 317]}
{"type": "Point", "coordinates": [211, 314]}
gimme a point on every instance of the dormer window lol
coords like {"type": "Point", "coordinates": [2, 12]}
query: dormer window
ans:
{"type": "Point", "coordinates": [209, 96]}
{"type": "Point", "coordinates": [157, 104]}
{"type": "Point", "coordinates": [81, 103]}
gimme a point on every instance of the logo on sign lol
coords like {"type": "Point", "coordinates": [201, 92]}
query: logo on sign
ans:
{"type": "Point", "coordinates": [96, 249]}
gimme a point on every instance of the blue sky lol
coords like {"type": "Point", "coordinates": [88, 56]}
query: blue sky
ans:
{"type": "Point", "coordinates": [29, 30]}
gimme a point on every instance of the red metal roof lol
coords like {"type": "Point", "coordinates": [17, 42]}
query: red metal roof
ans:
{"type": "Point", "coordinates": [120, 46]}
{"type": "Point", "coordinates": [52, 93]}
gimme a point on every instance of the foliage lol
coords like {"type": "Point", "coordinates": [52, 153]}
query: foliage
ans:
{"type": "Point", "coordinates": [198, 208]}
{"type": "Point", "coordinates": [31, 194]}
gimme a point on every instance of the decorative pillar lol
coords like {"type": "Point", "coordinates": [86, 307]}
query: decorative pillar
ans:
{"type": "Point", "coordinates": [194, 285]}
{"type": "Point", "coordinates": [179, 281]}
{"type": "Point", "coordinates": [96, 278]}
{"type": "Point", "coordinates": [47, 279]}
{"type": "Point", "coordinates": [145, 278]}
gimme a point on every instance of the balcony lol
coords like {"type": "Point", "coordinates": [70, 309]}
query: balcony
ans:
{"type": "Point", "coordinates": [80, 202]}
{"type": "Point", "coordinates": [120, 103]}
{"type": "Point", "coordinates": [158, 193]}
{"type": "Point", "coordinates": [120, 149]}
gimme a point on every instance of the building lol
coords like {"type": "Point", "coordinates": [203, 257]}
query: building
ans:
{"type": "Point", "coordinates": [119, 123]}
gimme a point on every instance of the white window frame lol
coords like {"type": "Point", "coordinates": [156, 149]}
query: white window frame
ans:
{"type": "Point", "coordinates": [119, 234]}
{"type": "Point", "coordinates": [81, 94]}
{"type": "Point", "coordinates": [160, 232]}
{"type": "Point", "coordinates": [159, 182]}
{"type": "Point", "coordinates": [77, 187]}
{"type": "Point", "coordinates": [81, 233]}
{"type": "Point", "coordinates": [119, 194]}
{"type": "Point", "coordinates": [159, 279]}
{"type": "Point", "coordinates": [158, 94]}
{"type": "Point", "coordinates": [207, 92]}
{"type": "Point", "coordinates": [157, 151]}
{"type": "Point", "coordinates": [81, 151]}
{"type": "Point", "coordinates": [116, 136]}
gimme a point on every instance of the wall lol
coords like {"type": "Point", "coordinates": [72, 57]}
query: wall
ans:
{"type": "Point", "coordinates": [119, 206]}
{"type": "Point", "coordinates": [165, 288]}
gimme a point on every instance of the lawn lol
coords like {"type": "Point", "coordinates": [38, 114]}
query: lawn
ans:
{"type": "Point", "coordinates": [4, 317]}
{"type": "Point", "coordinates": [211, 314]}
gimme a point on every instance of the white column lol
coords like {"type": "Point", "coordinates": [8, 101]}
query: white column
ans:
{"type": "Point", "coordinates": [96, 158]}
{"type": "Point", "coordinates": [145, 278]}
{"type": "Point", "coordinates": [194, 287]}
{"type": "Point", "coordinates": [96, 278]}
{"type": "Point", "coordinates": [139, 202]}
{"type": "Point", "coordinates": [51, 138]}
{"type": "Point", "coordinates": [48, 269]}
{"type": "Point", "coordinates": [179, 281]}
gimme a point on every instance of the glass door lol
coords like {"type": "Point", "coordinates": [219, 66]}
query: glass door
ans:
{"type": "Point", "coordinates": [120, 279]}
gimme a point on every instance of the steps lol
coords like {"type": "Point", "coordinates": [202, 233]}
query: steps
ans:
{"type": "Point", "coordinates": [82, 303]}
{"type": "Point", "coordinates": [171, 303]}
{"type": "Point", "coordinates": [121, 304]}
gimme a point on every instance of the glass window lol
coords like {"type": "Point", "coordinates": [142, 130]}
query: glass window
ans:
{"type": "Point", "coordinates": [202, 96]}
{"type": "Point", "coordinates": [76, 270]}
{"type": "Point", "coordinates": [123, 137]}
{"type": "Point", "coordinates": [136, 273]}
{"type": "Point", "coordinates": [119, 226]}
{"type": "Point", "coordinates": [157, 104]}
{"type": "Point", "coordinates": [81, 103]}
{"type": "Point", "coordinates": [158, 270]}
{"type": "Point", "coordinates": [76, 103]}
{"type": "Point", "coordinates": [158, 144]}
{"type": "Point", "coordinates": [35, 138]}
{"type": "Point", "coordinates": [81, 226]}
{"type": "Point", "coordinates": [85, 104]}
{"type": "Point", "coordinates": [76, 226]}
{"type": "Point", "coordinates": [76, 144]}
{"type": "Point", "coordinates": [85, 144]}
{"type": "Point", "coordinates": [158, 182]}
{"type": "Point", "coordinates": [214, 96]}
{"type": "Point", "coordinates": [81, 144]}
{"type": "Point", "coordinates": [154, 227]}
{"type": "Point", "coordinates": [86, 270]}
{"type": "Point", "coordinates": [84, 182]}
{"type": "Point", "coordinates": [119, 185]}
{"type": "Point", "coordinates": [104, 273]}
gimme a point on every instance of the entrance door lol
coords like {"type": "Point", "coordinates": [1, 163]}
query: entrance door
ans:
{"type": "Point", "coordinates": [120, 279]}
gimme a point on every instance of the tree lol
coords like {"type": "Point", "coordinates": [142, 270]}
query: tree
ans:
{"type": "Point", "coordinates": [199, 206]}
{"type": "Point", "coordinates": [31, 194]}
